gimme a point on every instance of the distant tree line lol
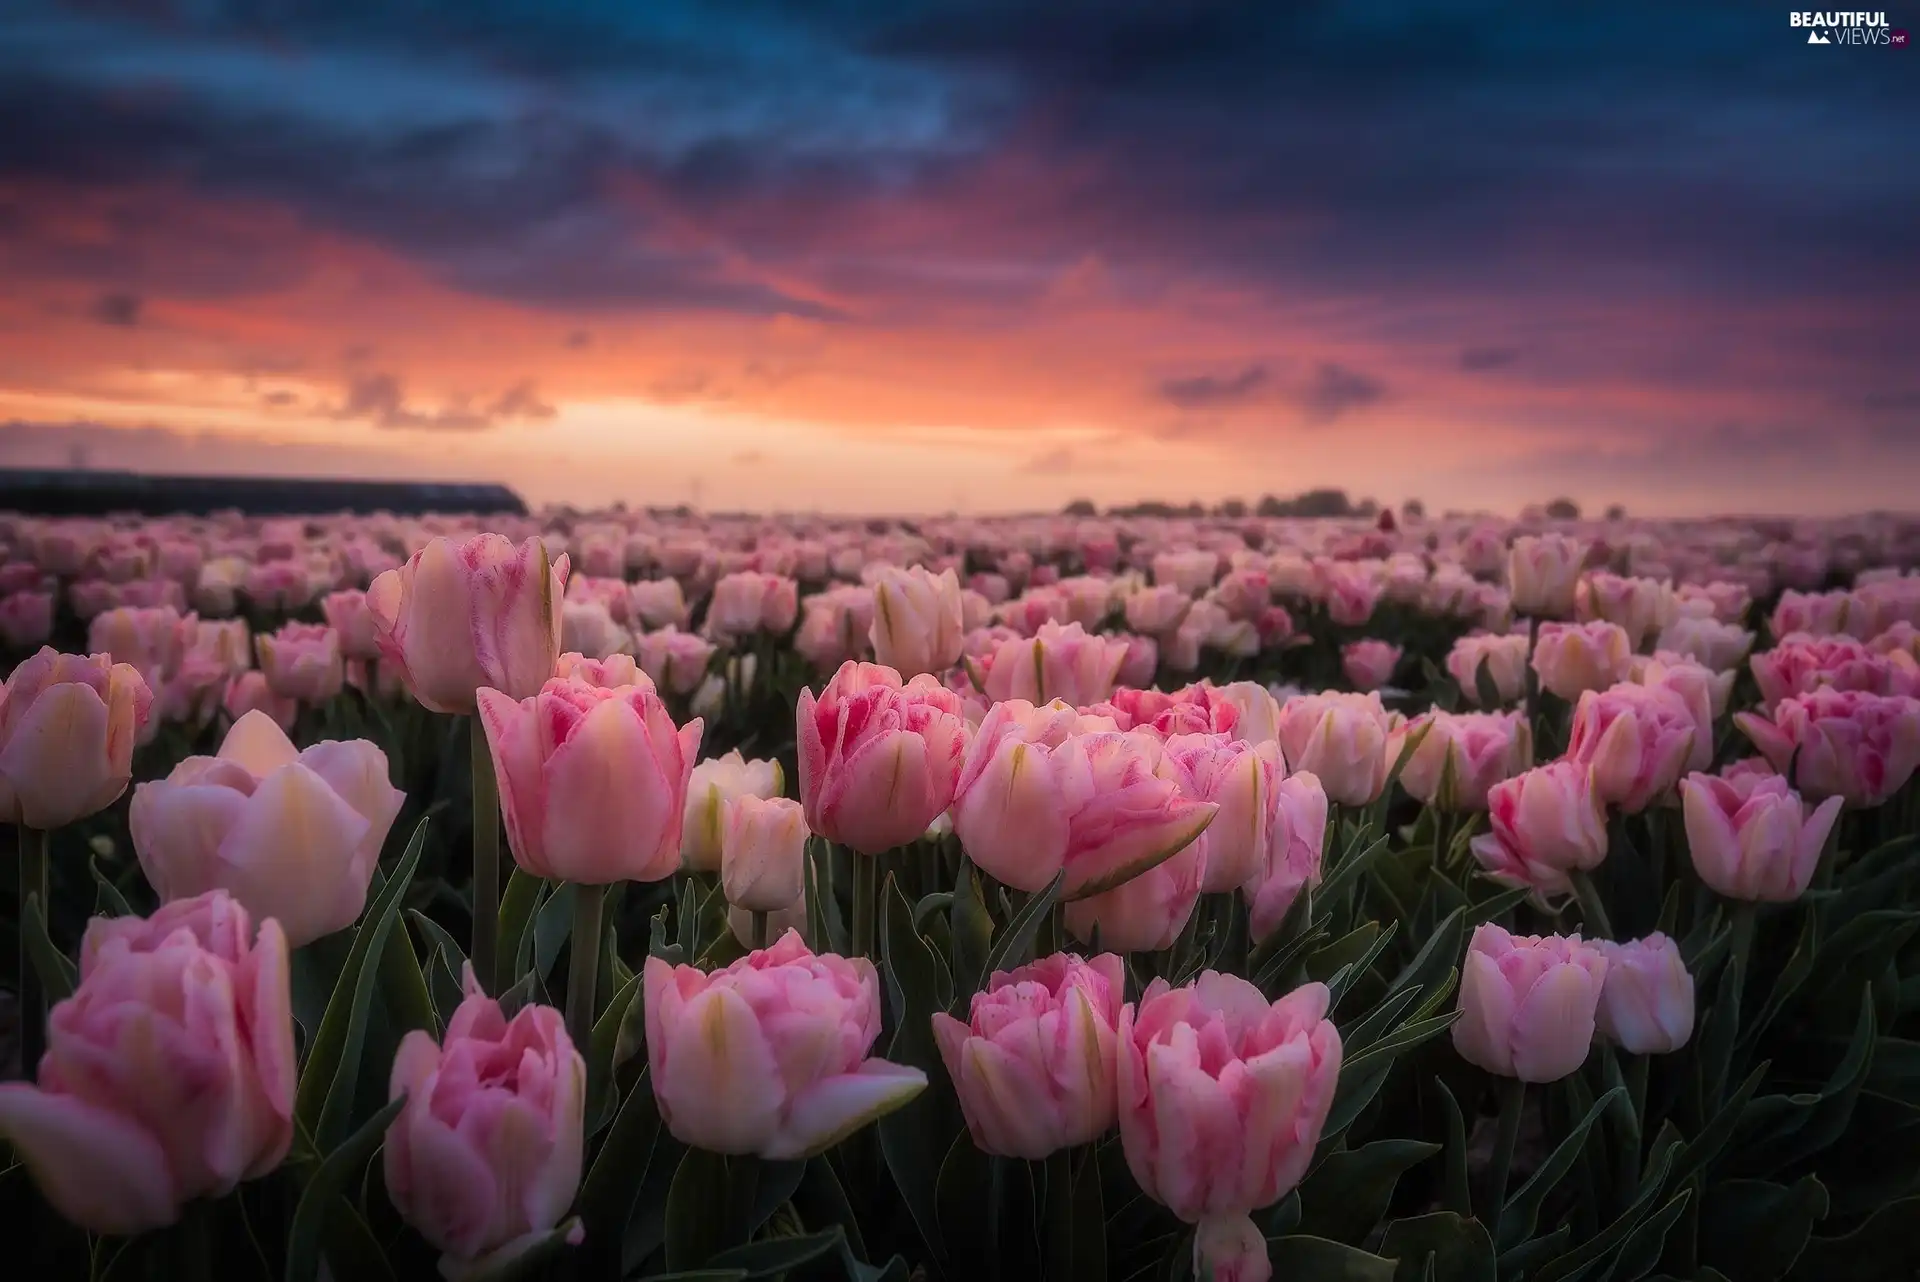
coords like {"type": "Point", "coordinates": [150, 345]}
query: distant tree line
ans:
{"type": "Point", "coordinates": [1312, 503]}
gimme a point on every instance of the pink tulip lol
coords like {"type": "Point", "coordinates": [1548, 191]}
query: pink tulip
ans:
{"type": "Point", "coordinates": [770, 1055]}
{"type": "Point", "coordinates": [748, 602]}
{"type": "Point", "coordinates": [1222, 1099]}
{"type": "Point", "coordinates": [347, 614]}
{"type": "Point", "coordinates": [1543, 574]}
{"type": "Point", "coordinates": [1193, 709]}
{"type": "Point", "coordinates": [612, 594]}
{"type": "Point", "coordinates": [486, 1154]}
{"type": "Point", "coordinates": [677, 661]}
{"type": "Point", "coordinates": [1351, 591]}
{"type": "Point", "coordinates": [1530, 1003]}
{"type": "Point", "coordinates": [1820, 614]}
{"type": "Point", "coordinates": [1256, 711]}
{"type": "Point", "coordinates": [879, 757]}
{"type": "Point", "coordinates": [1157, 611]}
{"type": "Point", "coordinates": [1639, 607]}
{"type": "Point", "coordinates": [763, 851]}
{"type": "Point", "coordinates": [593, 781]}
{"type": "Point", "coordinates": [1034, 1062]}
{"type": "Point", "coordinates": [227, 644]}
{"type": "Point", "coordinates": [1462, 755]}
{"type": "Point", "coordinates": [1638, 739]}
{"type": "Point", "coordinates": [1189, 571]}
{"type": "Point", "coordinates": [248, 691]}
{"type": "Point", "coordinates": [1142, 661]}
{"type": "Point", "coordinates": [1296, 840]}
{"type": "Point", "coordinates": [916, 620]}
{"type": "Point", "coordinates": [1244, 593]}
{"type": "Point", "coordinates": [714, 783]}
{"type": "Point", "coordinates": [1059, 663]}
{"type": "Point", "coordinates": [1720, 646]}
{"type": "Point", "coordinates": [1143, 913]}
{"type": "Point", "coordinates": [609, 673]}
{"type": "Point", "coordinates": [291, 835]}
{"type": "Point", "coordinates": [1801, 664]}
{"type": "Point", "coordinates": [1750, 836]}
{"type": "Point", "coordinates": [1861, 747]}
{"type": "Point", "coordinates": [657, 603]}
{"type": "Point", "coordinates": [462, 615]}
{"type": "Point", "coordinates": [23, 576]}
{"type": "Point", "coordinates": [1704, 692]}
{"type": "Point", "coordinates": [68, 724]}
{"type": "Point", "coordinates": [278, 585]}
{"type": "Point", "coordinates": [1573, 658]}
{"type": "Point", "coordinates": [26, 619]}
{"type": "Point", "coordinates": [1503, 655]}
{"type": "Point", "coordinates": [1240, 779]}
{"type": "Point", "coordinates": [1342, 739]}
{"type": "Point", "coordinates": [90, 598]}
{"type": "Point", "coordinates": [1369, 664]}
{"type": "Point", "coordinates": [152, 640]}
{"type": "Point", "coordinates": [169, 1074]}
{"type": "Point", "coordinates": [1646, 1002]}
{"type": "Point", "coordinates": [302, 662]}
{"type": "Point", "coordinates": [1547, 823]}
{"type": "Point", "coordinates": [587, 628]}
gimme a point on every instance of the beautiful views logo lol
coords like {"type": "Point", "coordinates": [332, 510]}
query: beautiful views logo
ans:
{"type": "Point", "coordinates": [1848, 29]}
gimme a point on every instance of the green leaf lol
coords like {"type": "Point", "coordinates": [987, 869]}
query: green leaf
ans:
{"type": "Point", "coordinates": [1455, 1195]}
{"type": "Point", "coordinates": [613, 1184]}
{"type": "Point", "coordinates": [1345, 1196]}
{"type": "Point", "coordinates": [1646, 1244]}
{"type": "Point", "coordinates": [1752, 1229]}
{"type": "Point", "coordinates": [914, 1138]}
{"type": "Point", "coordinates": [1344, 876]}
{"type": "Point", "coordinates": [708, 1207]}
{"type": "Point", "coordinates": [327, 1185]}
{"type": "Point", "coordinates": [1368, 1029]}
{"type": "Point", "coordinates": [963, 1208]}
{"type": "Point", "coordinates": [1400, 1041]}
{"type": "Point", "coordinates": [404, 989]}
{"type": "Point", "coordinates": [1076, 1217]}
{"type": "Point", "coordinates": [1486, 688]}
{"type": "Point", "coordinates": [552, 926]}
{"type": "Point", "coordinates": [1015, 946]}
{"type": "Point", "coordinates": [1436, 957]}
{"type": "Point", "coordinates": [332, 1070]}
{"type": "Point", "coordinates": [772, 1257]}
{"type": "Point", "coordinates": [446, 964]}
{"type": "Point", "coordinates": [1300, 1256]}
{"type": "Point", "coordinates": [1441, 1247]}
{"type": "Point", "coordinates": [517, 904]}
{"type": "Point", "coordinates": [1523, 1208]}
{"type": "Point", "coordinates": [1706, 1146]}
{"type": "Point", "coordinates": [1354, 971]}
{"type": "Point", "coordinates": [525, 1259]}
{"type": "Point", "coordinates": [606, 1042]}
{"type": "Point", "coordinates": [1805, 1130]}
{"type": "Point", "coordinates": [821, 1201]}
{"type": "Point", "coordinates": [57, 974]}
{"type": "Point", "coordinates": [971, 926]}
{"type": "Point", "coordinates": [1121, 874]}
{"type": "Point", "coordinates": [107, 899]}
{"type": "Point", "coordinates": [1884, 1249]}
{"type": "Point", "coordinates": [1575, 1262]}
{"type": "Point", "coordinates": [916, 977]}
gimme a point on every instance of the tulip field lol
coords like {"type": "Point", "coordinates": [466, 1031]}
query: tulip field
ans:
{"type": "Point", "coordinates": [647, 896]}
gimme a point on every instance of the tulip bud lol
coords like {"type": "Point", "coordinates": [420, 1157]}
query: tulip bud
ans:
{"type": "Point", "coordinates": [1646, 1003]}
{"type": "Point", "coordinates": [302, 662]}
{"type": "Point", "coordinates": [1034, 1063]}
{"type": "Point", "coordinates": [763, 850]}
{"type": "Point", "coordinates": [1543, 574]}
{"type": "Point", "coordinates": [1750, 836]}
{"type": "Point", "coordinates": [714, 783]}
{"type": "Point", "coordinates": [916, 620]}
{"type": "Point", "coordinates": [1547, 823]}
{"type": "Point", "coordinates": [1573, 658]}
{"type": "Point", "coordinates": [1529, 1003]}
{"type": "Point", "coordinates": [68, 724]}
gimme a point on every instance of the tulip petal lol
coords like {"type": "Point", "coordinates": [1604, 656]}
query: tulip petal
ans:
{"type": "Point", "coordinates": [835, 1107]}
{"type": "Point", "coordinates": [257, 743]}
{"type": "Point", "coordinates": [177, 831]}
{"type": "Point", "coordinates": [56, 759]}
{"type": "Point", "coordinates": [99, 1169]}
{"type": "Point", "coordinates": [291, 856]}
{"type": "Point", "coordinates": [609, 806]}
{"type": "Point", "coordinates": [720, 1086]}
{"type": "Point", "coordinates": [1553, 1024]}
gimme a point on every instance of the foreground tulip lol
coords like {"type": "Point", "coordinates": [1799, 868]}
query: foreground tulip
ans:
{"type": "Point", "coordinates": [169, 1074]}
{"type": "Point", "coordinates": [593, 781]}
{"type": "Point", "coordinates": [1503, 656]}
{"type": "Point", "coordinates": [68, 723]}
{"type": "Point", "coordinates": [1646, 1002]}
{"type": "Point", "coordinates": [1573, 658]}
{"type": "Point", "coordinates": [1296, 840]}
{"type": "Point", "coordinates": [1547, 824]}
{"type": "Point", "coordinates": [1341, 739]}
{"type": "Point", "coordinates": [1543, 574]}
{"type": "Point", "coordinates": [1240, 779]}
{"type": "Point", "coordinates": [302, 662]}
{"type": "Point", "coordinates": [1145, 912]}
{"type": "Point", "coordinates": [1034, 1062]}
{"type": "Point", "coordinates": [1638, 739]}
{"type": "Point", "coordinates": [1860, 747]}
{"type": "Point", "coordinates": [486, 1155]}
{"type": "Point", "coordinates": [879, 757]}
{"type": "Point", "coordinates": [916, 620]}
{"type": "Point", "coordinates": [763, 850]}
{"type": "Point", "coordinates": [1222, 1099]}
{"type": "Point", "coordinates": [1751, 838]}
{"type": "Point", "coordinates": [1461, 755]}
{"type": "Point", "coordinates": [770, 1055]}
{"type": "Point", "coordinates": [459, 616]}
{"type": "Point", "coordinates": [291, 835]}
{"type": "Point", "coordinates": [1529, 1003]}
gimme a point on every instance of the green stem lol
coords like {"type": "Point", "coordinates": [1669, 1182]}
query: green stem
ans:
{"type": "Point", "coordinates": [1443, 830]}
{"type": "Point", "coordinates": [1745, 916]}
{"type": "Point", "coordinates": [486, 856]}
{"type": "Point", "coordinates": [1513, 1098]}
{"type": "Point", "coordinates": [33, 843]}
{"type": "Point", "coordinates": [583, 965]}
{"type": "Point", "coordinates": [866, 873]}
{"type": "Point", "coordinates": [759, 930]}
{"type": "Point", "coordinates": [1593, 913]}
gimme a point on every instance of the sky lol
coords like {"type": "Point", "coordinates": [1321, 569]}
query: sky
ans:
{"type": "Point", "coordinates": [930, 255]}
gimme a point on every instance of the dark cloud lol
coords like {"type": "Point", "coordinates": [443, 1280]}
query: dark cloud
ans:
{"type": "Point", "coordinates": [379, 398]}
{"type": "Point", "coordinates": [1481, 359]}
{"type": "Point", "coordinates": [1212, 391]}
{"type": "Point", "coordinates": [1335, 390]}
{"type": "Point", "coordinates": [579, 340]}
{"type": "Point", "coordinates": [117, 307]}
{"type": "Point", "coordinates": [280, 399]}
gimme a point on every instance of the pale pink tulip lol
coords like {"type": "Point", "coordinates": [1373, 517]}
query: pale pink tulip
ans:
{"type": "Point", "coordinates": [1351, 590]}
{"type": "Point", "coordinates": [763, 850]}
{"type": "Point", "coordinates": [713, 784]}
{"type": "Point", "coordinates": [1342, 739]}
{"type": "Point", "coordinates": [916, 620]}
{"type": "Point", "coordinates": [26, 619]}
{"type": "Point", "coordinates": [1637, 739]}
{"type": "Point", "coordinates": [1530, 1003]}
{"type": "Point", "coordinates": [1462, 755]}
{"type": "Point", "coordinates": [1750, 836]}
{"type": "Point", "coordinates": [68, 724]}
{"type": "Point", "coordinates": [657, 603]}
{"type": "Point", "coordinates": [1640, 607]}
{"type": "Point", "coordinates": [1646, 1002]}
{"type": "Point", "coordinates": [1240, 779]}
{"type": "Point", "coordinates": [593, 781]}
{"type": "Point", "coordinates": [1573, 658]}
{"type": "Point", "coordinates": [1369, 664]}
{"type": "Point", "coordinates": [613, 671]}
{"type": "Point", "coordinates": [1546, 824]}
{"type": "Point", "coordinates": [676, 661]}
{"type": "Point", "coordinates": [1296, 841]}
{"type": "Point", "coordinates": [1801, 664]}
{"type": "Point", "coordinates": [1543, 574]}
{"type": "Point", "coordinates": [1033, 1064]}
{"type": "Point", "coordinates": [1503, 655]}
{"type": "Point", "coordinates": [770, 1055]}
{"type": "Point", "coordinates": [879, 757]}
{"type": "Point", "coordinates": [1720, 646]}
{"type": "Point", "coordinates": [1860, 747]}
{"type": "Point", "coordinates": [169, 1074]}
{"type": "Point", "coordinates": [749, 601]}
{"type": "Point", "coordinates": [347, 614]}
{"type": "Point", "coordinates": [247, 691]}
{"type": "Point", "coordinates": [1156, 611]}
{"type": "Point", "coordinates": [302, 662]}
{"type": "Point", "coordinates": [1060, 662]}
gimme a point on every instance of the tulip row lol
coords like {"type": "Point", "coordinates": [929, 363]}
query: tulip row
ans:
{"type": "Point", "coordinates": [1044, 971]}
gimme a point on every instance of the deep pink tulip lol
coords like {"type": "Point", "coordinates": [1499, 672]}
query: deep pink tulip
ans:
{"type": "Point", "coordinates": [879, 757]}
{"type": "Point", "coordinates": [1841, 743]}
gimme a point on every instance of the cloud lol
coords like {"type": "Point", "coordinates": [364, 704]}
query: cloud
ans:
{"type": "Point", "coordinates": [1480, 359]}
{"type": "Point", "coordinates": [579, 340]}
{"type": "Point", "coordinates": [1212, 391]}
{"type": "Point", "coordinates": [117, 307]}
{"type": "Point", "coordinates": [1070, 461]}
{"type": "Point", "coordinates": [379, 398]}
{"type": "Point", "coordinates": [1335, 390]}
{"type": "Point", "coordinates": [280, 399]}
